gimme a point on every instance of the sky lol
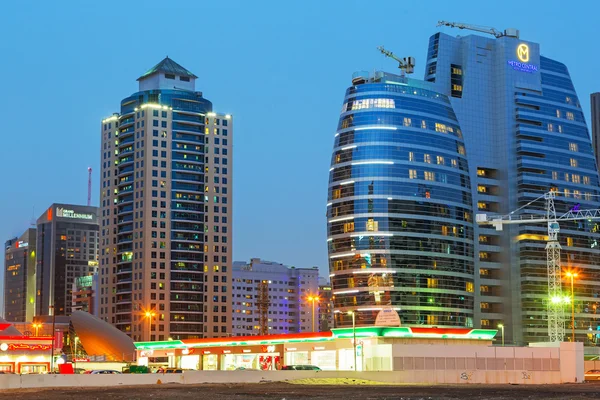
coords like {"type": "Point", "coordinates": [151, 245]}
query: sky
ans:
{"type": "Point", "coordinates": [279, 67]}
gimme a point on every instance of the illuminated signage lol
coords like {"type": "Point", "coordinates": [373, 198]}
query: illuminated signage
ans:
{"type": "Point", "coordinates": [24, 346]}
{"type": "Point", "coordinates": [65, 213]}
{"type": "Point", "coordinates": [21, 244]}
{"type": "Point", "coordinates": [3, 347]}
{"type": "Point", "coordinates": [523, 52]}
{"type": "Point", "coordinates": [522, 64]}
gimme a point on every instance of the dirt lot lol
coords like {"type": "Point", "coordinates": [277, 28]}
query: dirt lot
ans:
{"type": "Point", "coordinates": [281, 391]}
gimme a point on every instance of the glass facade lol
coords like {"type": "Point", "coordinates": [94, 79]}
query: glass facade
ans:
{"type": "Point", "coordinates": [400, 218]}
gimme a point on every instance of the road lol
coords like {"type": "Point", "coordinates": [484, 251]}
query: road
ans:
{"type": "Point", "coordinates": [285, 391]}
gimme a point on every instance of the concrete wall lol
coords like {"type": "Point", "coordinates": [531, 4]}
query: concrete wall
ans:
{"type": "Point", "coordinates": [198, 377]}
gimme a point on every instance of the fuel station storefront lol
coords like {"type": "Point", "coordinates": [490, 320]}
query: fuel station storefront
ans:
{"type": "Point", "coordinates": [333, 351]}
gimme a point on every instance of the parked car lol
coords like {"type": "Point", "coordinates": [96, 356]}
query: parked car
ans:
{"type": "Point", "coordinates": [592, 375]}
{"type": "Point", "coordinates": [103, 371]}
{"type": "Point", "coordinates": [6, 372]}
{"type": "Point", "coordinates": [301, 368]}
{"type": "Point", "coordinates": [173, 371]}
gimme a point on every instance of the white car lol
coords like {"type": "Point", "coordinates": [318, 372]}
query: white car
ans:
{"type": "Point", "coordinates": [104, 371]}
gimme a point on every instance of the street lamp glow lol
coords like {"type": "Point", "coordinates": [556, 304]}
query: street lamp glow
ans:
{"type": "Point", "coordinates": [313, 299]}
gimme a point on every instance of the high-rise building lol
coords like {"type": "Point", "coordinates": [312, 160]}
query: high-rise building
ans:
{"type": "Point", "coordinates": [404, 206]}
{"type": "Point", "coordinates": [67, 248]}
{"type": "Point", "coordinates": [325, 306]}
{"type": "Point", "coordinates": [165, 262]}
{"type": "Point", "coordinates": [19, 277]}
{"type": "Point", "coordinates": [400, 218]}
{"type": "Point", "coordinates": [595, 105]}
{"type": "Point", "coordinates": [289, 289]}
{"type": "Point", "coordinates": [525, 134]}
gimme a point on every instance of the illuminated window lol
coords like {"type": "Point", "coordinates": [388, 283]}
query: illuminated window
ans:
{"type": "Point", "coordinates": [461, 150]}
{"type": "Point", "coordinates": [575, 178]}
{"type": "Point", "coordinates": [412, 173]}
{"type": "Point", "coordinates": [429, 176]}
{"type": "Point", "coordinates": [338, 158]}
{"type": "Point", "coordinates": [482, 205]}
{"type": "Point", "coordinates": [337, 193]}
{"type": "Point", "coordinates": [560, 129]}
{"type": "Point", "coordinates": [407, 122]}
{"type": "Point", "coordinates": [444, 230]}
{"type": "Point", "coordinates": [481, 172]}
{"type": "Point", "coordinates": [550, 128]}
{"type": "Point", "coordinates": [484, 272]}
{"type": "Point", "coordinates": [457, 88]}
{"type": "Point", "coordinates": [432, 320]}
{"type": "Point", "coordinates": [372, 225]}
{"type": "Point", "coordinates": [483, 239]}
{"type": "Point", "coordinates": [483, 256]}
{"type": "Point", "coordinates": [484, 306]}
{"type": "Point", "coordinates": [469, 287]}
{"type": "Point", "coordinates": [441, 128]}
{"type": "Point", "coordinates": [567, 176]}
{"type": "Point", "coordinates": [427, 158]}
{"type": "Point", "coordinates": [573, 162]}
{"type": "Point", "coordinates": [576, 194]}
{"type": "Point", "coordinates": [481, 189]}
{"type": "Point", "coordinates": [586, 180]}
{"type": "Point", "coordinates": [349, 227]}
{"type": "Point", "coordinates": [215, 268]}
{"type": "Point", "coordinates": [440, 160]}
{"type": "Point", "coordinates": [370, 103]}
{"type": "Point", "coordinates": [573, 147]}
{"type": "Point", "coordinates": [570, 116]}
{"type": "Point", "coordinates": [432, 283]}
{"type": "Point", "coordinates": [485, 322]}
{"type": "Point", "coordinates": [558, 114]}
{"type": "Point", "coordinates": [423, 124]}
{"type": "Point", "coordinates": [454, 163]}
{"type": "Point", "coordinates": [567, 193]}
{"type": "Point", "coordinates": [456, 71]}
{"type": "Point", "coordinates": [554, 175]}
{"type": "Point", "coordinates": [484, 289]}
{"type": "Point", "coordinates": [411, 156]}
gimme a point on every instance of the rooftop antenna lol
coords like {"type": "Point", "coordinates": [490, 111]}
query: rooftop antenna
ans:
{"type": "Point", "coordinates": [406, 65]}
{"type": "Point", "coordinates": [89, 202]}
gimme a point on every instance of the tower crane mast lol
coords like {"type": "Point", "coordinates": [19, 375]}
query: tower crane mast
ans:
{"type": "Point", "coordinates": [556, 321]}
{"type": "Point", "coordinates": [511, 32]}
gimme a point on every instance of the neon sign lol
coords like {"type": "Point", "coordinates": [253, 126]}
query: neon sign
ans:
{"type": "Point", "coordinates": [23, 346]}
{"type": "Point", "coordinates": [523, 52]}
{"type": "Point", "coordinates": [523, 67]}
{"type": "Point", "coordinates": [65, 213]}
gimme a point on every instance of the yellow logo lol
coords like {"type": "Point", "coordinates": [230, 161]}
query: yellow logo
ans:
{"type": "Point", "coordinates": [523, 52]}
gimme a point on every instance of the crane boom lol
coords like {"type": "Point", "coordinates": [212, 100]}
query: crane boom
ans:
{"type": "Point", "coordinates": [406, 65]}
{"type": "Point", "coordinates": [556, 321]}
{"type": "Point", "coordinates": [484, 29]}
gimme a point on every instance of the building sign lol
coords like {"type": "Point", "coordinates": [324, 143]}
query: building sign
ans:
{"type": "Point", "coordinates": [24, 346]}
{"type": "Point", "coordinates": [523, 63]}
{"type": "Point", "coordinates": [387, 317]}
{"type": "Point", "coordinates": [66, 213]}
{"type": "Point", "coordinates": [523, 52]}
{"type": "Point", "coordinates": [20, 244]}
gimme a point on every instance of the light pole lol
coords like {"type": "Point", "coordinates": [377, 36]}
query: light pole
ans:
{"type": "Point", "coordinates": [572, 275]}
{"type": "Point", "coordinates": [313, 299]}
{"type": "Point", "coordinates": [501, 326]}
{"type": "Point", "coordinates": [353, 335]}
{"type": "Point", "coordinates": [150, 315]}
{"type": "Point", "coordinates": [53, 338]}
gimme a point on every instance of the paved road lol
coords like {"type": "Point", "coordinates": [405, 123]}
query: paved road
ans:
{"type": "Point", "coordinates": [281, 391]}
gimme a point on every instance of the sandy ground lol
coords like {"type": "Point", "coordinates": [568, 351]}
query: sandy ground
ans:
{"type": "Point", "coordinates": [285, 391]}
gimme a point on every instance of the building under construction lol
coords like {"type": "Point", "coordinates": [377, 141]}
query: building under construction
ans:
{"type": "Point", "coordinates": [272, 298]}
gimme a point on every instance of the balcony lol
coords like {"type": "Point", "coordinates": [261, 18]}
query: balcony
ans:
{"type": "Point", "coordinates": [177, 126]}
{"type": "Point", "coordinates": [196, 119]}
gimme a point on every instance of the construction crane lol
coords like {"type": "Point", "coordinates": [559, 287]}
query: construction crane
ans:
{"type": "Point", "coordinates": [89, 202]}
{"type": "Point", "coordinates": [407, 64]}
{"type": "Point", "coordinates": [263, 304]}
{"type": "Point", "coordinates": [510, 32]}
{"type": "Point", "coordinates": [556, 321]}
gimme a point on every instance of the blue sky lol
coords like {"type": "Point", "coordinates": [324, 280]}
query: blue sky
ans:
{"type": "Point", "coordinates": [279, 67]}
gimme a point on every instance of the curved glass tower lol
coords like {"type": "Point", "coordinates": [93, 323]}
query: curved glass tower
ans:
{"type": "Point", "coordinates": [400, 220]}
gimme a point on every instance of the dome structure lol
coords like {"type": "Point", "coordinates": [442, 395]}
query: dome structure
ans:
{"type": "Point", "coordinates": [101, 338]}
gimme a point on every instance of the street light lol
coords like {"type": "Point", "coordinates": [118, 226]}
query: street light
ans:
{"type": "Point", "coordinates": [572, 275]}
{"type": "Point", "coordinates": [353, 335]}
{"type": "Point", "coordinates": [149, 315]}
{"type": "Point", "coordinates": [53, 338]}
{"type": "Point", "coordinates": [313, 299]}
{"type": "Point", "coordinates": [501, 326]}
{"type": "Point", "coordinates": [37, 328]}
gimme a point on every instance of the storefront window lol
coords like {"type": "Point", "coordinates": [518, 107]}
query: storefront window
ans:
{"type": "Point", "coordinates": [209, 362]}
{"type": "Point", "coordinates": [296, 358]}
{"type": "Point", "coordinates": [324, 359]}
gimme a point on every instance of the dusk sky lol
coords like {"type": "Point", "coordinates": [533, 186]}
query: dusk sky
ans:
{"type": "Point", "coordinates": [279, 67]}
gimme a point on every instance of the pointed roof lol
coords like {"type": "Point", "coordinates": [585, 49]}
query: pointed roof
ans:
{"type": "Point", "coordinates": [170, 67]}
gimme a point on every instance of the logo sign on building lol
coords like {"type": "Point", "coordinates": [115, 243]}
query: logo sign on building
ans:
{"type": "Point", "coordinates": [66, 213]}
{"type": "Point", "coordinates": [387, 317]}
{"type": "Point", "coordinates": [522, 64]}
{"type": "Point", "coordinates": [21, 244]}
{"type": "Point", "coordinates": [523, 52]}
